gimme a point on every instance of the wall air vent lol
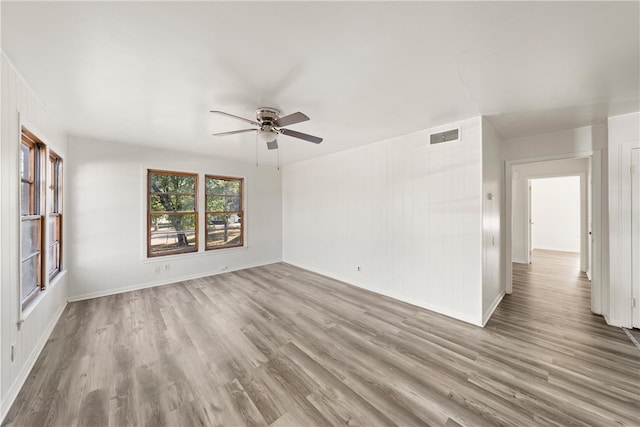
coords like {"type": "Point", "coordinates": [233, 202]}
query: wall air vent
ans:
{"type": "Point", "coordinates": [446, 136]}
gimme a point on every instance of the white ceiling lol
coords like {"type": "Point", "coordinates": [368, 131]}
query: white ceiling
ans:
{"type": "Point", "coordinates": [147, 73]}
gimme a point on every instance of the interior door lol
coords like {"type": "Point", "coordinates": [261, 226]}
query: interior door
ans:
{"type": "Point", "coordinates": [635, 234]}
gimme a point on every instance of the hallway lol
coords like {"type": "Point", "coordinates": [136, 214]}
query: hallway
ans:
{"type": "Point", "coordinates": [552, 285]}
{"type": "Point", "coordinates": [576, 351]}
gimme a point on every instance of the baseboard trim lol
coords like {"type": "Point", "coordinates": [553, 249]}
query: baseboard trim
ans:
{"type": "Point", "coordinates": [494, 305]}
{"type": "Point", "coordinates": [136, 287]}
{"type": "Point", "coordinates": [418, 303]}
{"type": "Point", "coordinates": [28, 366]}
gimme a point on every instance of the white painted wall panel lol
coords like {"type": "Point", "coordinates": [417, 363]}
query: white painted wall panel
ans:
{"type": "Point", "coordinates": [409, 214]}
{"type": "Point", "coordinates": [107, 206]}
{"type": "Point", "coordinates": [493, 286]}
{"type": "Point", "coordinates": [2, 202]}
{"type": "Point", "coordinates": [624, 135]}
{"type": "Point", "coordinates": [18, 99]}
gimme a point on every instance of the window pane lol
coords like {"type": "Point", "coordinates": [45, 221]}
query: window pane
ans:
{"type": "Point", "coordinates": [173, 233]}
{"type": "Point", "coordinates": [51, 198]}
{"type": "Point", "coordinates": [25, 162]}
{"type": "Point", "coordinates": [170, 203]}
{"type": "Point", "coordinates": [53, 254]}
{"type": "Point", "coordinates": [171, 183]}
{"type": "Point", "coordinates": [25, 198]}
{"type": "Point", "coordinates": [53, 228]}
{"type": "Point", "coordinates": [223, 186]}
{"type": "Point", "coordinates": [223, 204]}
{"type": "Point", "coordinates": [29, 277]}
{"type": "Point", "coordinates": [53, 251]}
{"type": "Point", "coordinates": [224, 230]}
{"type": "Point", "coordinates": [30, 241]}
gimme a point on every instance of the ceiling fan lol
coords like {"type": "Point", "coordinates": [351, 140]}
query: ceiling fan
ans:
{"type": "Point", "coordinates": [269, 124]}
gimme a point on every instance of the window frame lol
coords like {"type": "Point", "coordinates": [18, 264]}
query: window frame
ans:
{"type": "Point", "coordinates": [37, 153]}
{"type": "Point", "coordinates": [195, 211]}
{"type": "Point", "coordinates": [240, 211]}
{"type": "Point", "coordinates": [54, 210]}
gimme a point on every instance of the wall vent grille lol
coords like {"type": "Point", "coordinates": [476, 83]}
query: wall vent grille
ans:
{"type": "Point", "coordinates": [446, 136]}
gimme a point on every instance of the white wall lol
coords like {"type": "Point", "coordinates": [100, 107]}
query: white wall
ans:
{"type": "Point", "coordinates": [2, 202]}
{"type": "Point", "coordinates": [107, 207]}
{"type": "Point", "coordinates": [624, 135]}
{"type": "Point", "coordinates": [569, 141]}
{"type": "Point", "coordinates": [19, 101]}
{"type": "Point", "coordinates": [555, 213]}
{"type": "Point", "coordinates": [635, 239]}
{"type": "Point", "coordinates": [408, 213]}
{"type": "Point", "coordinates": [492, 201]}
{"type": "Point", "coordinates": [520, 208]}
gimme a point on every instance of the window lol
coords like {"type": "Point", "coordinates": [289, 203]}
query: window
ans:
{"type": "Point", "coordinates": [172, 225]}
{"type": "Point", "coordinates": [224, 212]}
{"type": "Point", "coordinates": [31, 158]}
{"type": "Point", "coordinates": [54, 224]}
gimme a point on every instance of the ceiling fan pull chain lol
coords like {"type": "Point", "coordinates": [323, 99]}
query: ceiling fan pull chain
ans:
{"type": "Point", "coordinates": [256, 150]}
{"type": "Point", "coordinates": [278, 156]}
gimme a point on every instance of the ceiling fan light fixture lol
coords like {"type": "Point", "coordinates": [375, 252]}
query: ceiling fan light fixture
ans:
{"type": "Point", "coordinates": [268, 137]}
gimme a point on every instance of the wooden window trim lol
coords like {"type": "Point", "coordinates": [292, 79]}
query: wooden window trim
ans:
{"type": "Point", "coordinates": [55, 209]}
{"type": "Point", "coordinates": [194, 212]}
{"type": "Point", "coordinates": [37, 165]}
{"type": "Point", "coordinates": [31, 178]}
{"type": "Point", "coordinates": [240, 211]}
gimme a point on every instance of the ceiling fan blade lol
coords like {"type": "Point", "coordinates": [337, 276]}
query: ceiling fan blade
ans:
{"type": "Point", "coordinates": [296, 134]}
{"type": "Point", "coordinates": [234, 132]}
{"type": "Point", "coordinates": [236, 117]}
{"type": "Point", "coordinates": [291, 119]}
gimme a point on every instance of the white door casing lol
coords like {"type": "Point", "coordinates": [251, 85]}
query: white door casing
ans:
{"type": "Point", "coordinates": [635, 235]}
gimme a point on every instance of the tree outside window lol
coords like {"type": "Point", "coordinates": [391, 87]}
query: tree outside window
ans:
{"type": "Point", "coordinates": [172, 213]}
{"type": "Point", "coordinates": [224, 212]}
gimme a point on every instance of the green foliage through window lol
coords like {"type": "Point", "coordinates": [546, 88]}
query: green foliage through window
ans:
{"type": "Point", "coordinates": [224, 212]}
{"type": "Point", "coordinates": [173, 216]}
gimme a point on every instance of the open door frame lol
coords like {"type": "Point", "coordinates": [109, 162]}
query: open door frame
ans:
{"type": "Point", "coordinates": [596, 236]}
{"type": "Point", "coordinates": [635, 236]}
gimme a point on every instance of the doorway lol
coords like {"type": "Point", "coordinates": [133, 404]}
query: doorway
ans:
{"type": "Point", "coordinates": [635, 235]}
{"type": "Point", "coordinates": [518, 232]}
{"type": "Point", "coordinates": [556, 210]}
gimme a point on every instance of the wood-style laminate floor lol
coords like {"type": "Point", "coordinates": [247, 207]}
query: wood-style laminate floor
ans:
{"type": "Point", "coordinates": [281, 346]}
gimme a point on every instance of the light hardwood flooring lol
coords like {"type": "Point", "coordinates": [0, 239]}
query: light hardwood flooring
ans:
{"type": "Point", "coordinates": [281, 346]}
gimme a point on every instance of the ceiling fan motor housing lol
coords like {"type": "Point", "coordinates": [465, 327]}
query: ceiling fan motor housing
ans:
{"type": "Point", "coordinates": [266, 115]}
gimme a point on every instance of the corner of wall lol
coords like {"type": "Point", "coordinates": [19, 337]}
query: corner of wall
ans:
{"type": "Point", "coordinates": [623, 136]}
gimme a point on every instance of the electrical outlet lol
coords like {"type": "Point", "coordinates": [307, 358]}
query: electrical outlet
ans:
{"type": "Point", "coordinates": [224, 267]}
{"type": "Point", "coordinates": [167, 267]}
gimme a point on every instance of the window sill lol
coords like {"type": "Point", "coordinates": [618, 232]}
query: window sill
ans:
{"type": "Point", "coordinates": [199, 254]}
{"type": "Point", "coordinates": [26, 312]}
